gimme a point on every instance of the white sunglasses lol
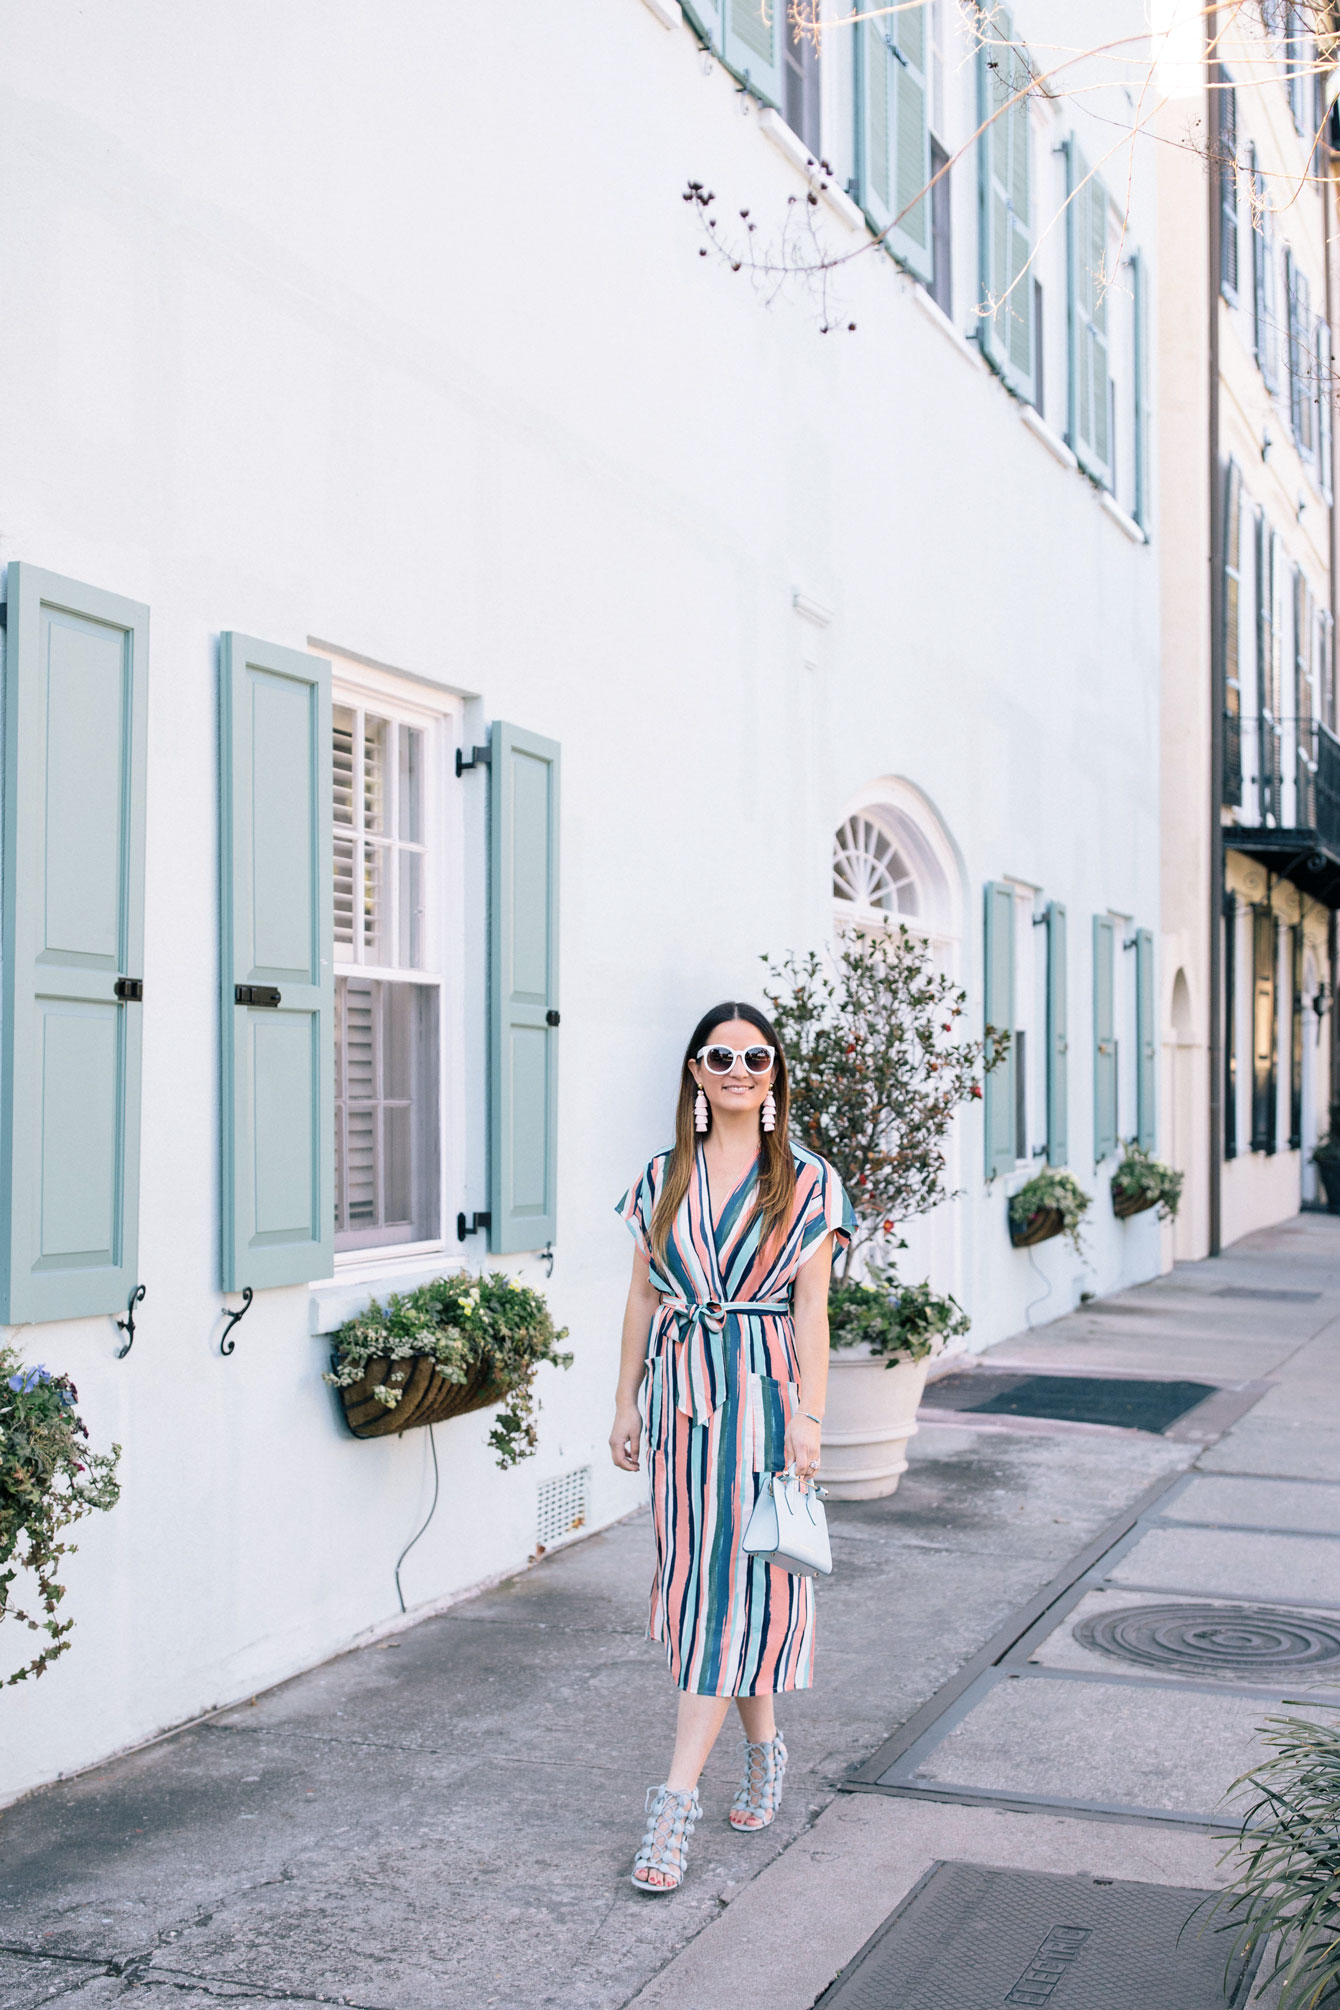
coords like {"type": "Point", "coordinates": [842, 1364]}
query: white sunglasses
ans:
{"type": "Point", "coordinates": [720, 1060]}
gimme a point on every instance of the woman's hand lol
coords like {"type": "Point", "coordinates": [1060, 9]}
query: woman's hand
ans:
{"type": "Point", "coordinates": [643, 1299]}
{"type": "Point", "coordinates": [626, 1437]}
{"type": "Point", "coordinates": [802, 1448]}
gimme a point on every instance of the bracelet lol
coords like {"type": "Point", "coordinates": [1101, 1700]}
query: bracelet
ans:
{"type": "Point", "coordinates": [813, 1419]}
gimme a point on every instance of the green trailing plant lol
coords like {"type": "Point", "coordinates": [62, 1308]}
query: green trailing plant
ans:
{"type": "Point", "coordinates": [1051, 1189]}
{"type": "Point", "coordinates": [48, 1480]}
{"type": "Point", "coordinates": [898, 1322]}
{"type": "Point", "coordinates": [1287, 1890]}
{"type": "Point", "coordinates": [878, 1066]}
{"type": "Point", "coordinates": [460, 1323]}
{"type": "Point", "coordinates": [1142, 1177]}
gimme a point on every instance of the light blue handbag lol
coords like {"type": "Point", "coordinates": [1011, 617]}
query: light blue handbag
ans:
{"type": "Point", "coordinates": [790, 1528]}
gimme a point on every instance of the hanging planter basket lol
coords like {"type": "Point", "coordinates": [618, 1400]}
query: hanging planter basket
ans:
{"type": "Point", "coordinates": [427, 1397]}
{"type": "Point", "coordinates": [1124, 1205]}
{"type": "Point", "coordinates": [1040, 1227]}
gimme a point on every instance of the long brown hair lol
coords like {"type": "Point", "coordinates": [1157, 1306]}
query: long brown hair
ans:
{"type": "Point", "coordinates": [775, 1193]}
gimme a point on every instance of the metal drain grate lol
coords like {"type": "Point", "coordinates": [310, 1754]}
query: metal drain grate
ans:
{"type": "Point", "coordinates": [1237, 1640]}
{"type": "Point", "coordinates": [563, 1507]}
{"type": "Point", "coordinates": [972, 1938]}
{"type": "Point", "coordinates": [1266, 1297]}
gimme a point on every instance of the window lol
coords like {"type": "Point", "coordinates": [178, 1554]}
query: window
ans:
{"type": "Point", "coordinates": [1232, 636]}
{"type": "Point", "coordinates": [893, 132]}
{"type": "Point", "coordinates": [1268, 760]}
{"type": "Point", "coordinates": [1105, 1075]}
{"type": "Point", "coordinates": [1304, 705]}
{"type": "Point", "coordinates": [1006, 236]}
{"type": "Point", "coordinates": [1302, 390]}
{"type": "Point", "coordinates": [1322, 356]}
{"type": "Point", "coordinates": [800, 60]}
{"type": "Point", "coordinates": [1226, 166]}
{"type": "Point", "coordinates": [1297, 64]}
{"type": "Point", "coordinates": [1230, 1026]}
{"type": "Point", "coordinates": [1295, 1035]}
{"type": "Point", "coordinates": [1265, 308]}
{"type": "Point", "coordinates": [941, 287]}
{"type": "Point", "coordinates": [387, 992]}
{"type": "Point", "coordinates": [1139, 405]}
{"type": "Point", "coordinates": [1265, 1026]}
{"type": "Point", "coordinates": [871, 874]}
{"type": "Point", "coordinates": [1089, 275]}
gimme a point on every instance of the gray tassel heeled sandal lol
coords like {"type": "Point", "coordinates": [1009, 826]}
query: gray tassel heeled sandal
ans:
{"type": "Point", "coordinates": [665, 1846]}
{"type": "Point", "coordinates": [760, 1793]}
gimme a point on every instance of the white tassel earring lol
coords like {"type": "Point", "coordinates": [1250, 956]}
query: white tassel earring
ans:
{"type": "Point", "coordinates": [769, 1112]}
{"type": "Point", "coordinates": [700, 1113]}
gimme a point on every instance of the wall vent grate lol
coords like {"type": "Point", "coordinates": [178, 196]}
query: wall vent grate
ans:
{"type": "Point", "coordinates": [563, 1507]}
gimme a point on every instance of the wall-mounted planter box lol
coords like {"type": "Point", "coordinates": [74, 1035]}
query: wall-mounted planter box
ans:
{"type": "Point", "coordinates": [427, 1398]}
{"type": "Point", "coordinates": [1124, 1205]}
{"type": "Point", "coordinates": [1039, 1227]}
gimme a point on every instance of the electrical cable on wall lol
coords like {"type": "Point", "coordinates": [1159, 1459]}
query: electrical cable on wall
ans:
{"type": "Point", "coordinates": [432, 1446]}
{"type": "Point", "coordinates": [1043, 1296]}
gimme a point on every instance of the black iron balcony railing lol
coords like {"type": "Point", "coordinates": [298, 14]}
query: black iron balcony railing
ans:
{"type": "Point", "coordinates": [1282, 777]}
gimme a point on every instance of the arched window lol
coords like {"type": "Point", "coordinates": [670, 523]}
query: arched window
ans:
{"type": "Point", "coordinates": [871, 872]}
{"type": "Point", "coordinates": [894, 865]}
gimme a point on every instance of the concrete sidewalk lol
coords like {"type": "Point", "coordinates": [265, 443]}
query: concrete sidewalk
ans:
{"type": "Point", "coordinates": [448, 1819]}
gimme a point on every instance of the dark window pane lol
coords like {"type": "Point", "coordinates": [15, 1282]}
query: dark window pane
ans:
{"type": "Point", "coordinates": [941, 286]}
{"type": "Point", "coordinates": [802, 87]}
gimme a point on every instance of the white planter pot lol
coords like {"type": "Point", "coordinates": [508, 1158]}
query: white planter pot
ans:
{"type": "Point", "coordinates": [870, 1415]}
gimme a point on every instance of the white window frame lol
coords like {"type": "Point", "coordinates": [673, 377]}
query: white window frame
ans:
{"type": "Point", "coordinates": [439, 715]}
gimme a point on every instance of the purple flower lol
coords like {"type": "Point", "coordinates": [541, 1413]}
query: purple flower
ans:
{"type": "Point", "coordinates": [31, 1379]}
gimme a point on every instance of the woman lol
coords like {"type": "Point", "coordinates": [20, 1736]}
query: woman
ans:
{"type": "Point", "coordinates": [727, 1320]}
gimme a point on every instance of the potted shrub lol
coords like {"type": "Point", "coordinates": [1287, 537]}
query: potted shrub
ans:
{"type": "Point", "coordinates": [459, 1343]}
{"type": "Point", "coordinates": [878, 1069]}
{"type": "Point", "coordinates": [1287, 1891]}
{"type": "Point", "coordinates": [1051, 1203]}
{"type": "Point", "coordinates": [884, 1335]}
{"type": "Point", "coordinates": [1141, 1182]}
{"type": "Point", "coordinates": [48, 1479]}
{"type": "Point", "coordinates": [1326, 1158]}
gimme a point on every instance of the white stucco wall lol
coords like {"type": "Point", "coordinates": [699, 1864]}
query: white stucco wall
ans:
{"type": "Point", "coordinates": [383, 328]}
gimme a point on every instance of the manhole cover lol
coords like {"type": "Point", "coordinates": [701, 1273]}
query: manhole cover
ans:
{"type": "Point", "coordinates": [972, 1938]}
{"type": "Point", "coordinates": [1213, 1639]}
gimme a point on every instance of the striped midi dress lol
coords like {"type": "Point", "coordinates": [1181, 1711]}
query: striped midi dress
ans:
{"type": "Point", "coordinates": [722, 1381]}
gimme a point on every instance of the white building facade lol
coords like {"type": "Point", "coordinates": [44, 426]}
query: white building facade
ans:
{"type": "Point", "coordinates": [440, 597]}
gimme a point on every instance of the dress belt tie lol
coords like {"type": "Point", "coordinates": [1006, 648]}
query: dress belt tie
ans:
{"type": "Point", "coordinates": [698, 1358]}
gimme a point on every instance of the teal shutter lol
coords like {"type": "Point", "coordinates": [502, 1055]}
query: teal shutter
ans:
{"type": "Point", "coordinates": [1057, 1044]}
{"type": "Point", "coordinates": [1325, 393]}
{"type": "Point", "coordinates": [875, 121]}
{"type": "Point", "coordinates": [704, 17]}
{"type": "Point", "coordinates": [1005, 233]}
{"type": "Point", "coordinates": [1146, 1042]}
{"type": "Point", "coordinates": [1104, 1039]}
{"type": "Point", "coordinates": [894, 155]}
{"type": "Point", "coordinates": [752, 45]}
{"type": "Point", "coordinates": [1139, 374]}
{"type": "Point", "coordinates": [523, 988]}
{"type": "Point", "coordinates": [998, 991]}
{"type": "Point", "coordinates": [276, 918]}
{"type": "Point", "coordinates": [1089, 429]}
{"type": "Point", "coordinates": [75, 693]}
